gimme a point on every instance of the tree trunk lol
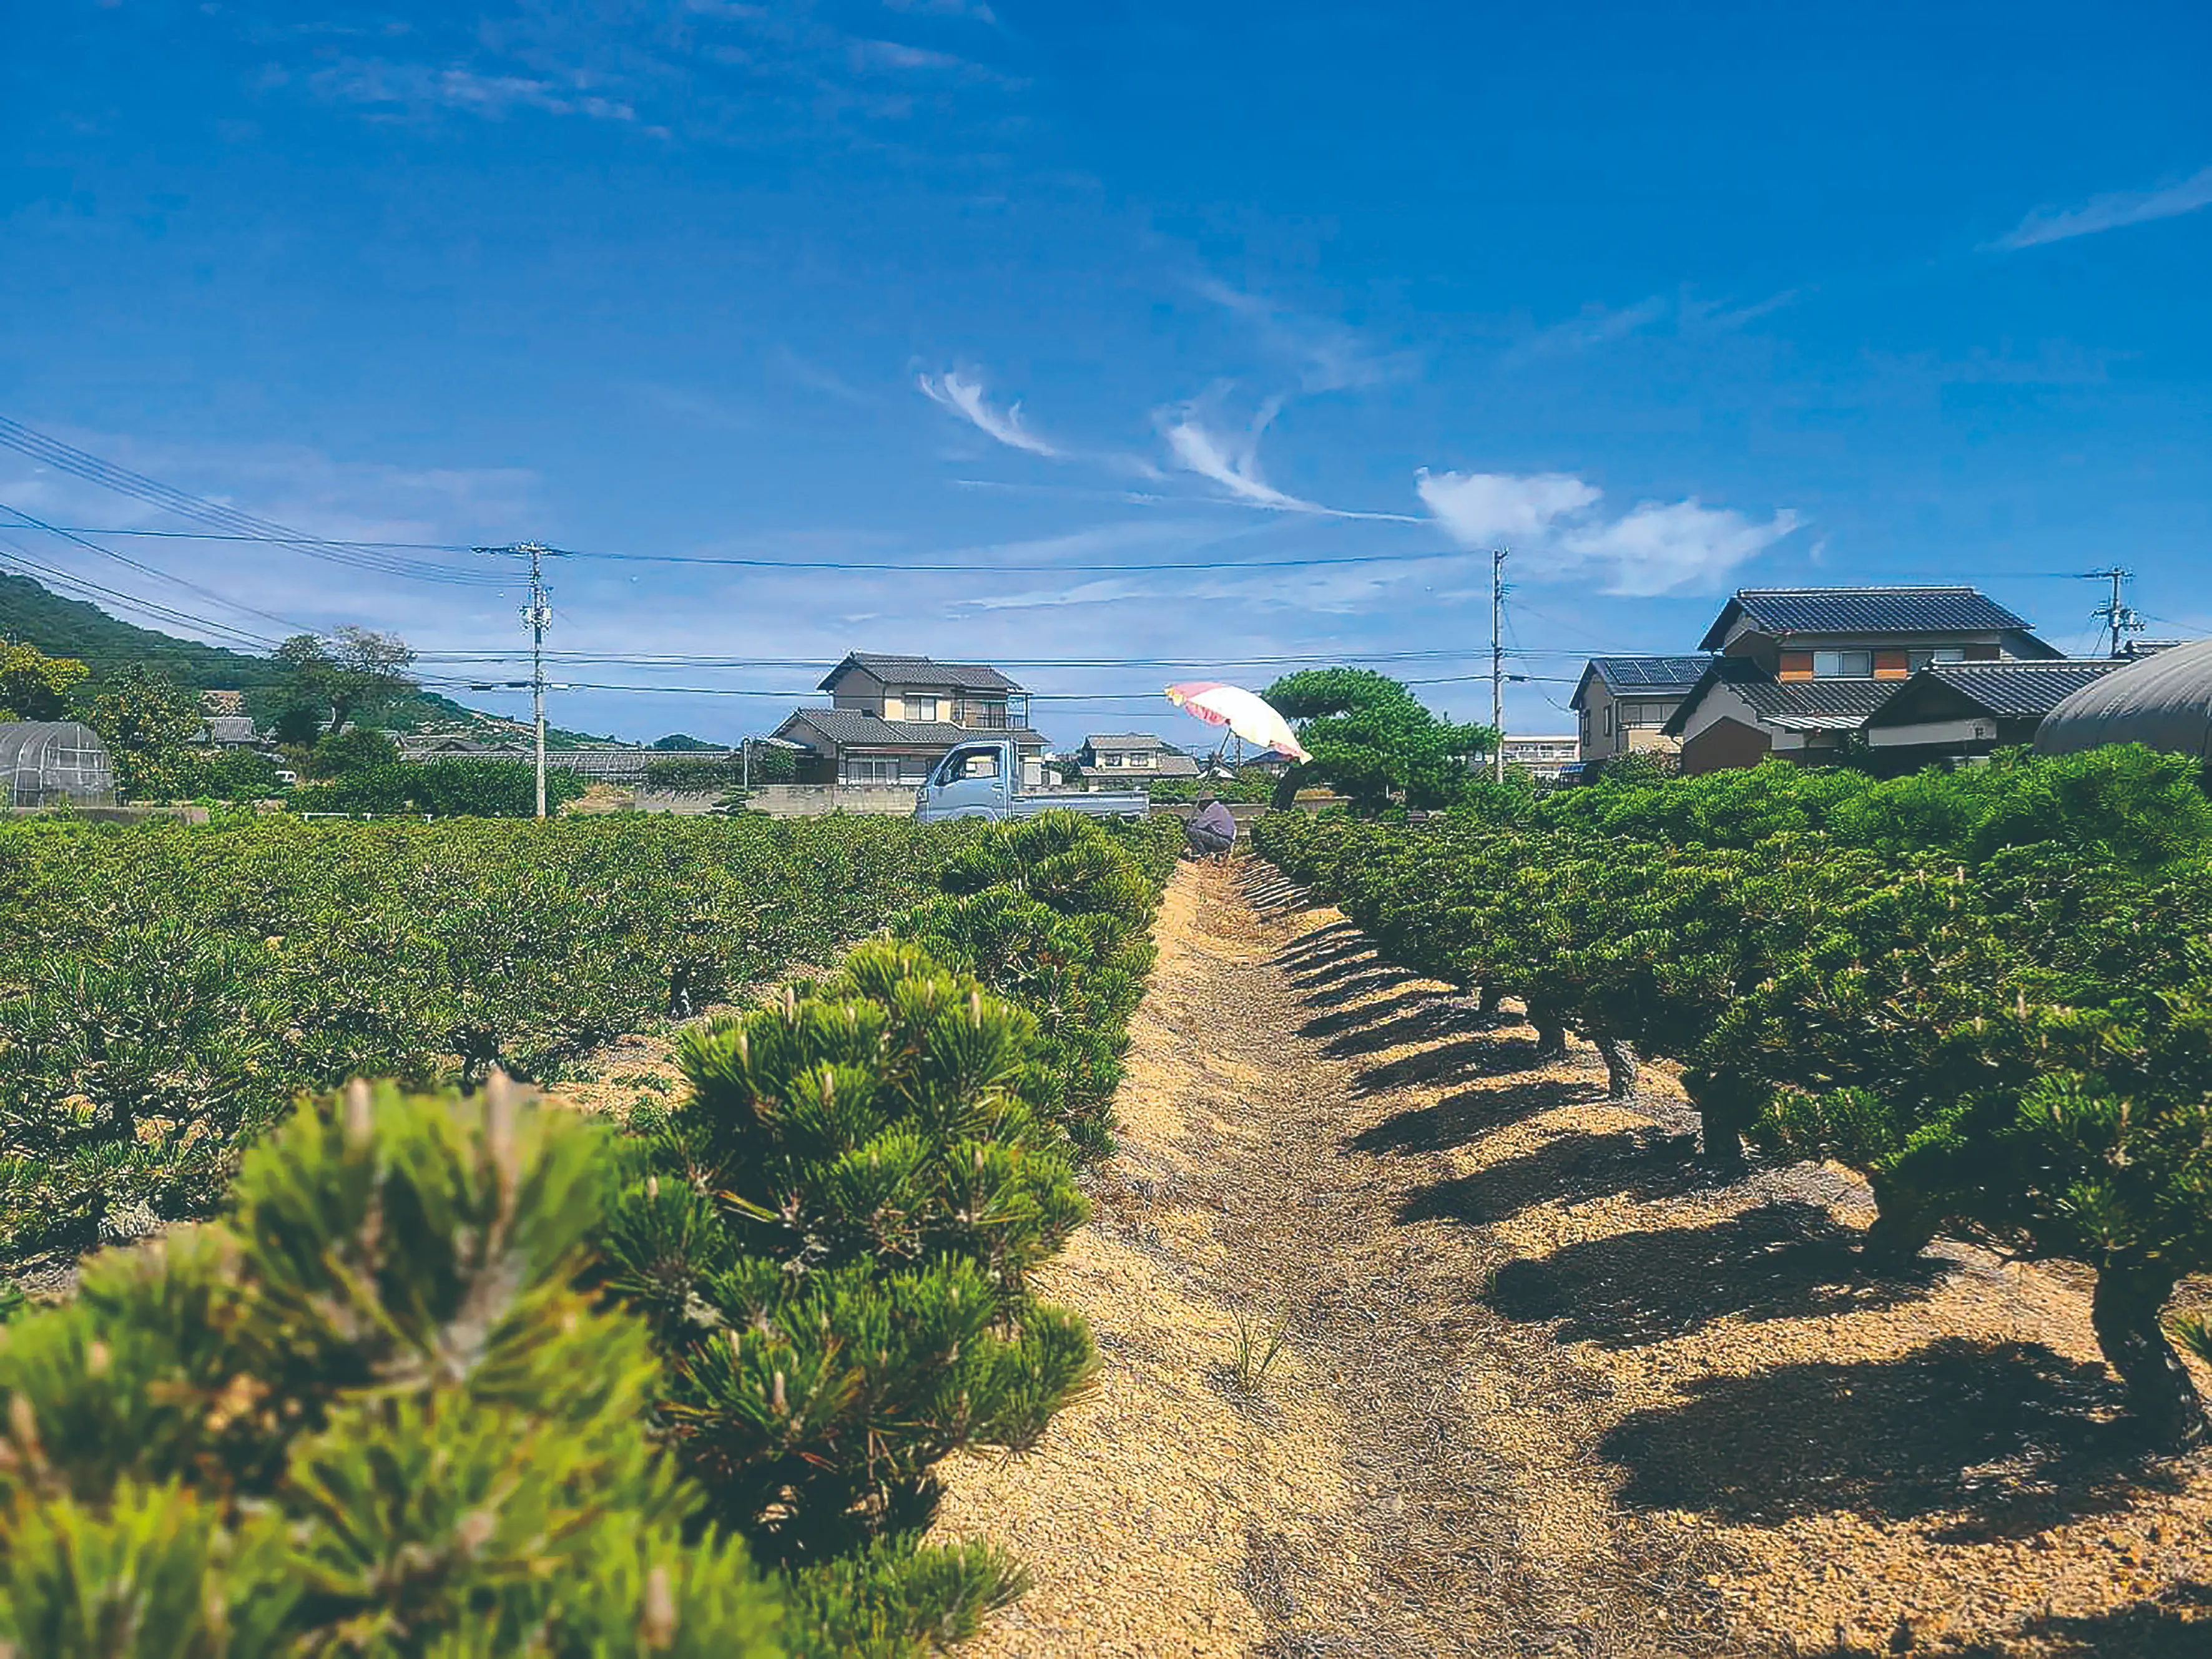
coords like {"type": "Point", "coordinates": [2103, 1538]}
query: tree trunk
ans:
{"type": "Point", "coordinates": [1901, 1230]}
{"type": "Point", "coordinates": [1620, 1066]}
{"type": "Point", "coordinates": [1551, 1031]}
{"type": "Point", "coordinates": [2124, 1310]}
{"type": "Point", "coordinates": [1722, 1140]}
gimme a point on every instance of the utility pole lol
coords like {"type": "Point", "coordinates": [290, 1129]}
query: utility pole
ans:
{"type": "Point", "coordinates": [537, 616]}
{"type": "Point", "coordinates": [2120, 619]}
{"type": "Point", "coordinates": [1497, 664]}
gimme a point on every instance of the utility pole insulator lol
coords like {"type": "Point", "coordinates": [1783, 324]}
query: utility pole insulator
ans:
{"type": "Point", "coordinates": [2120, 617]}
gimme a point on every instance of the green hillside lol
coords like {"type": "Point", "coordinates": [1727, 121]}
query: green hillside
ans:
{"type": "Point", "coordinates": [32, 615]}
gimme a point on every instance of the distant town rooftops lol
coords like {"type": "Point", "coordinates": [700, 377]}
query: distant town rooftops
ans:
{"type": "Point", "coordinates": [920, 671]}
{"type": "Point", "coordinates": [1124, 740]}
{"type": "Point", "coordinates": [1784, 611]}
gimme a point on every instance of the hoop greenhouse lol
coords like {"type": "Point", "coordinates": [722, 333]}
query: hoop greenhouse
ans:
{"type": "Point", "coordinates": [47, 763]}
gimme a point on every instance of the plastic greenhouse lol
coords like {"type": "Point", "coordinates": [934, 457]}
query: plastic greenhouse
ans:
{"type": "Point", "coordinates": [46, 763]}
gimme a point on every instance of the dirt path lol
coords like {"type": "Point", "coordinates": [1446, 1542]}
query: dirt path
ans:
{"type": "Point", "coordinates": [1539, 1391]}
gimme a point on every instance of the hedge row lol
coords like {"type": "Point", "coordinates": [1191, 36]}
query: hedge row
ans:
{"type": "Point", "coordinates": [1990, 993]}
{"type": "Point", "coordinates": [167, 990]}
{"type": "Point", "coordinates": [405, 1401]}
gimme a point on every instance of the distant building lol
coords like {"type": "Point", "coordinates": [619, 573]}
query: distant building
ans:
{"type": "Point", "coordinates": [1542, 756]}
{"type": "Point", "coordinates": [892, 718]}
{"type": "Point", "coordinates": [1114, 760]}
{"type": "Point", "coordinates": [1962, 711]}
{"type": "Point", "coordinates": [230, 731]}
{"type": "Point", "coordinates": [1800, 671]}
{"type": "Point", "coordinates": [51, 763]}
{"type": "Point", "coordinates": [1622, 703]}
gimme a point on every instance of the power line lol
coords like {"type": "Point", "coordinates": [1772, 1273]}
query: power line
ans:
{"type": "Point", "coordinates": [147, 569]}
{"type": "Point", "coordinates": [70, 584]}
{"type": "Point", "coordinates": [81, 463]}
{"type": "Point", "coordinates": [880, 566]}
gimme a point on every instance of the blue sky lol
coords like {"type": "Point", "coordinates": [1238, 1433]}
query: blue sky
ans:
{"type": "Point", "coordinates": [1667, 298]}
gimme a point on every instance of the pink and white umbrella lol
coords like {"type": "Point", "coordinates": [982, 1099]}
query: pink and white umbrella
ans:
{"type": "Point", "coordinates": [1243, 713]}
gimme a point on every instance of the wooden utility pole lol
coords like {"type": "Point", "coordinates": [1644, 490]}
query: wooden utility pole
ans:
{"type": "Point", "coordinates": [1497, 664]}
{"type": "Point", "coordinates": [537, 616]}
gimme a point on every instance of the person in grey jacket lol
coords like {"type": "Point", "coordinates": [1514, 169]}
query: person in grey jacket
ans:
{"type": "Point", "coordinates": [1211, 830]}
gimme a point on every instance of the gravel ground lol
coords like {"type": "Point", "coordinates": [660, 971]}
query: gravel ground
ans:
{"type": "Point", "coordinates": [1540, 1389]}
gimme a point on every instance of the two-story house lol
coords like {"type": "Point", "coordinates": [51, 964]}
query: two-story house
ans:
{"type": "Point", "coordinates": [1120, 760]}
{"type": "Point", "coordinates": [1799, 671]}
{"type": "Point", "coordinates": [891, 718]}
{"type": "Point", "coordinates": [1622, 703]}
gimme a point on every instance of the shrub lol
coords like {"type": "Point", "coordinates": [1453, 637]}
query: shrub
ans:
{"type": "Point", "coordinates": [831, 1239]}
{"type": "Point", "coordinates": [444, 789]}
{"type": "Point", "coordinates": [373, 1414]}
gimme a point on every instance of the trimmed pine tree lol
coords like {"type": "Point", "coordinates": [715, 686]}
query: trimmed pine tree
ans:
{"type": "Point", "coordinates": [371, 1414]}
{"type": "Point", "coordinates": [831, 1239]}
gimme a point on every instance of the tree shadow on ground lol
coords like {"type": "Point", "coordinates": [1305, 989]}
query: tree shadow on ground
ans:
{"type": "Point", "coordinates": [2175, 1624]}
{"type": "Point", "coordinates": [1460, 1119]}
{"type": "Point", "coordinates": [1310, 963]}
{"type": "Point", "coordinates": [1639, 1163]}
{"type": "Point", "coordinates": [2010, 1436]}
{"type": "Point", "coordinates": [1314, 970]}
{"type": "Point", "coordinates": [1483, 1056]}
{"type": "Point", "coordinates": [1784, 1260]}
{"type": "Point", "coordinates": [1323, 941]}
{"type": "Point", "coordinates": [1369, 1014]}
{"type": "Point", "coordinates": [1445, 1015]}
{"type": "Point", "coordinates": [1331, 990]}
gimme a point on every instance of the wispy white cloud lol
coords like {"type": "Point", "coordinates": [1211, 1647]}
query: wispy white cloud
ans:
{"type": "Point", "coordinates": [975, 10]}
{"type": "Point", "coordinates": [1330, 356]}
{"type": "Point", "coordinates": [1597, 325]}
{"type": "Point", "coordinates": [817, 377]}
{"type": "Point", "coordinates": [1231, 460]}
{"type": "Point", "coordinates": [419, 85]}
{"type": "Point", "coordinates": [1481, 509]}
{"type": "Point", "coordinates": [2108, 212]}
{"type": "Point", "coordinates": [965, 395]}
{"type": "Point", "coordinates": [1551, 521]}
{"type": "Point", "coordinates": [1667, 547]}
{"type": "Point", "coordinates": [897, 55]}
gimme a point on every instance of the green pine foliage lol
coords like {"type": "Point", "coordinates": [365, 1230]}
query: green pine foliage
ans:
{"type": "Point", "coordinates": [372, 1414]}
{"type": "Point", "coordinates": [166, 990]}
{"type": "Point", "coordinates": [832, 1235]}
{"type": "Point", "coordinates": [1981, 989]}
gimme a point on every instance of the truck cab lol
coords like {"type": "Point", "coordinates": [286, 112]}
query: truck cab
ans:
{"type": "Point", "coordinates": [978, 780]}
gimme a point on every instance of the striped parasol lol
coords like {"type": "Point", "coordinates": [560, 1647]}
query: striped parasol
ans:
{"type": "Point", "coordinates": [1247, 715]}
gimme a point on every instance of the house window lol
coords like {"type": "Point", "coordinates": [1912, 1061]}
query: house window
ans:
{"type": "Point", "coordinates": [1843, 665]}
{"type": "Point", "coordinates": [1111, 758]}
{"type": "Point", "coordinates": [920, 708]}
{"type": "Point", "coordinates": [1921, 659]}
{"type": "Point", "coordinates": [871, 769]}
{"type": "Point", "coordinates": [1608, 719]}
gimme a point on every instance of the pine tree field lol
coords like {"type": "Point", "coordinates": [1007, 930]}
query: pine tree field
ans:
{"type": "Point", "coordinates": [1989, 992]}
{"type": "Point", "coordinates": [424, 1368]}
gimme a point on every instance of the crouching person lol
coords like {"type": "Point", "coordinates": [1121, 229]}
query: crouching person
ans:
{"type": "Point", "coordinates": [1211, 831]}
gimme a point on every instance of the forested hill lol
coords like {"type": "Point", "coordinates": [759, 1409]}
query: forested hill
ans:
{"type": "Point", "coordinates": [32, 615]}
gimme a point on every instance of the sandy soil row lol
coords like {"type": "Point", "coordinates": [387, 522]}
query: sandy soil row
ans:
{"type": "Point", "coordinates": [1541, 1389]}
